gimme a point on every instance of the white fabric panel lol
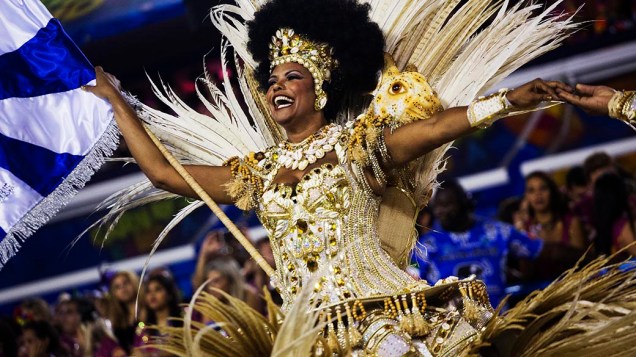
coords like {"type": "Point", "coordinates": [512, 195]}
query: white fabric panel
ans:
{"type": "Point", "coordinates": [16, 198]}
{"type": "Point", "coordinates": [73, 120]}
{"type": "Point", "coordinates": [20, 20]}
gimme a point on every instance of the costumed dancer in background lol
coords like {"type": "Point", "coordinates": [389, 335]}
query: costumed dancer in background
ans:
{"type": "Point", "coordinates": [331, 188]}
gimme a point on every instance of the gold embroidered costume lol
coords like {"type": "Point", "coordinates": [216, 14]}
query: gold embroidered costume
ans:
{"type": "Point", "coordinates": [341, 236]}
{"type": "Point", "coordinates": [327, 224]}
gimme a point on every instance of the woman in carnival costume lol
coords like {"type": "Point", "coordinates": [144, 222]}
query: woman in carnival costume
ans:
{"type": "Point", "coordinates": [337, 176]}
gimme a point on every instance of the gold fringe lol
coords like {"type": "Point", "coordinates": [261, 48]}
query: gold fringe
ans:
{"type": "Point", "coordinates": [332, 341]}
{"type": "Point", "coordinates": [355, 337]}
{"type": "Point", "coordinates": [239, 191]}
{"type": "Point", "coordinates": [420, 326]}
{"type": "Point", "coordinates": [472, 312]}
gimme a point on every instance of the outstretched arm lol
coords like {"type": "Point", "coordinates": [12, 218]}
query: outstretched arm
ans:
{"type": "Point", "coordinates": [148, 157]}
{"type": "Point", "coordinates": [602, 100]}
{"type": "Point", "coordinates": [592, 99]}
{"type": "Point", "coordinates": [420, 137]}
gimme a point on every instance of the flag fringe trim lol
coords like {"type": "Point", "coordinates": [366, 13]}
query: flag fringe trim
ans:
{"type": "Point", "coordinates": [48, 206]}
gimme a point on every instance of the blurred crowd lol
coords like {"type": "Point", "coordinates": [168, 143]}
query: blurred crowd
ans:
{"type": "Point", "coordinates": [534, 238]}
{"type": "Point", "coordinates": [122, 319]}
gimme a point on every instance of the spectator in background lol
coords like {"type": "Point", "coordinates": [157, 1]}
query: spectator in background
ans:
{"type": "Point", "coordinates": [509, 210]}
{"type": "Point", "coordinates": [598, 164]}
{"type": "Point", "coordinates": [257, 278]}
{"type": "Point", "coordinates": [545, 215]}
{"type": "Point", "coordinates": [122, 300]}
{"type": "Point", "coordinates": [225, 274]}
{"type": "Point", "coordinates": [8, 337]}
{"type": "Point", "coordinates": [461, 245]}
{"type": "Point", "coordinates": [612, 217]}
{"type": "Point", "coordinates": [100, 341]}
{"type": "Point", "coordinates": [162, 299]}
{"type": "Point", "coordinates": [39, 339]}
{"type": "Point", "coordinates": [424, 221]}
{"type": "Point", "coordinates": [595, 166]}
{"type": "Point", "coordinates": [213, 246]}
{"type": "Point", "coordinates": [69, 318]}
{"type": "Point", "coordinates": [36, 309]}
{"type": "Point", "coordinates": [576, 185]}
{"type": "Point", "coordinates": [84, 332]}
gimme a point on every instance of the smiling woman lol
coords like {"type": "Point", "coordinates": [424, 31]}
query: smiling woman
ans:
{"type": "Point", "coordinates": [546, 213]}
{"type": "Point", "coordinates": [338, 194]}
{"type": "Point", "coordinates": [291, 95]}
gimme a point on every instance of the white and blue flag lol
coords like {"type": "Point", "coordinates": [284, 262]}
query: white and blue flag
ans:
{"type": "Point", "coordinates": [53, 135]}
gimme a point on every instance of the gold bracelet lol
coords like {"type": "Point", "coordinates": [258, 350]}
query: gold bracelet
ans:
{"type": "Point", "coordinates": [384, 152]}
{"type": "Point", "coordinates": [622, 106]}
{"type": "Point", "coordinates": [484, 111]}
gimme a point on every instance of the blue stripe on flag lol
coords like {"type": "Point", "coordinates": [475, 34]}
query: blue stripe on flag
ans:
{"type": "Point", "coordinates": [48, 63]}
{"type": "Point", "coordinates": [2, 234]}
{"type": "Point", "coordinates": [43, 170]}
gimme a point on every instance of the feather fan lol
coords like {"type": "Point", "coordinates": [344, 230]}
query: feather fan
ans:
{"type": "Point", "coordinates": [589, 311]}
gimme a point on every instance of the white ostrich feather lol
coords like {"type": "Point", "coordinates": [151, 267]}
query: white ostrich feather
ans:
{"type": "Point", "coordinates": [230, 21]}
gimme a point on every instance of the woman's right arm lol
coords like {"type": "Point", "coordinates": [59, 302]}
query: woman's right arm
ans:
{"type": "Point", "coordinates": [148, 157]}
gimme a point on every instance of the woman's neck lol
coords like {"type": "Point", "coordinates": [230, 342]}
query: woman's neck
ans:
{"type": "Point", "coordinates": [132, 313]}
{"type": "Point", "coordinates": [545, 217]}
{"type": "Point", "coordinates": [162, 316]}
{"type": "Point", "coordinates": [298, 133]}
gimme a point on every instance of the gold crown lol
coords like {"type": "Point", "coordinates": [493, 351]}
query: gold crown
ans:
{"type": "Point", "coordinates": [288, 46]}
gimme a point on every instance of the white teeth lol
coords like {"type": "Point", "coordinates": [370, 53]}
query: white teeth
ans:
{"type": "Point", "coordinates": [282, 101]}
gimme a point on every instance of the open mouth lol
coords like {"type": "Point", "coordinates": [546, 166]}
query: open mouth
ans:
{"type": "Point", "coordinates": [282, 101]}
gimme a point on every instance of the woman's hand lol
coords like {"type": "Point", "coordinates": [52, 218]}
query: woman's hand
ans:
{"type": "Point", "coordinates": [593, 99]}
{"type": "Point", "coordinates": [535, 92]}
{"type": "Point", "coordinates": [214, 245]}
{"type": "Point", "coordinates": [108, 86]}
{"type": "Point", "coordinates": [522, 216]}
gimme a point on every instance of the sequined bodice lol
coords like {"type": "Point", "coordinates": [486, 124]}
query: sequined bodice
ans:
{"type": "Point", "coordinates": [328, 252]}
{"type": "Point", "coordinates": [326, 225]}
{"type": "Point", "coordinates": [306, 226]}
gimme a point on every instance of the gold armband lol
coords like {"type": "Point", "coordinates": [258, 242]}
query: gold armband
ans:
{"type": "Point", "coordinates": [484, 111]}
{"type": "Point", "coordinates": [246, 186]}
{"type": "Point", "coordinates": [622, 106]}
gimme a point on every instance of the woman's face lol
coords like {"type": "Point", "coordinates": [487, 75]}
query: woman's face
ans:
{"type": "Point", "coordinates": [156, 296]}
{"type": "Point", "coordinates": [290, 93]}
{"type": "Point", "coordinates": [123, 289]}
{"type": "Point", "coordinates": [69, 318]}
{"type": "Point", "coordinates": [217, 281]}
{"type": "Point", "coordinates": [32, 345]}
{"type": "Point", "coordinates": [538, 194]}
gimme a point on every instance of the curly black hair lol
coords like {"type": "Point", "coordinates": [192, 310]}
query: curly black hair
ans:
{"type": "Point", "coordinates": [344, 24]}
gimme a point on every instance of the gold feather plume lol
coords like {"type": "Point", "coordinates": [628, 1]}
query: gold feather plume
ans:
{"type": "Point", "coordinates": [589, 311]}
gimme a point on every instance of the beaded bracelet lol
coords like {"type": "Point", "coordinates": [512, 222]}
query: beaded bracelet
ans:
{"type": "Point", "coordinates": [484, 111]}
{"type": "Point", "coordinates": [622, 106]}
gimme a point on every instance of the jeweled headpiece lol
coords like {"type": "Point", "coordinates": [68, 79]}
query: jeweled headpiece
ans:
{"type": "Point", "coordinates": [288, 46]}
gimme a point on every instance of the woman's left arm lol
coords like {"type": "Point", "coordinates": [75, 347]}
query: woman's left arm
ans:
{"type": "Point", "coordinates": [413, 140]}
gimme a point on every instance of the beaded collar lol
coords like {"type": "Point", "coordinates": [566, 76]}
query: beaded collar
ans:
{"type": "Point", "coordinates": [297, 156]}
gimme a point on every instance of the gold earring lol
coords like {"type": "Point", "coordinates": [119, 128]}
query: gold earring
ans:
{"type": "Point", "coordinates": [320, 102]}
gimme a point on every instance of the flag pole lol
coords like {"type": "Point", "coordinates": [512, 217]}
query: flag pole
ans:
{"type": "Point", "coordinates": [249, 247]}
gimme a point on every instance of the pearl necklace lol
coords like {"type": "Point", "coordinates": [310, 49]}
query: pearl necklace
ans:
{"type": "Point", "coordinates": [299, 156]}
